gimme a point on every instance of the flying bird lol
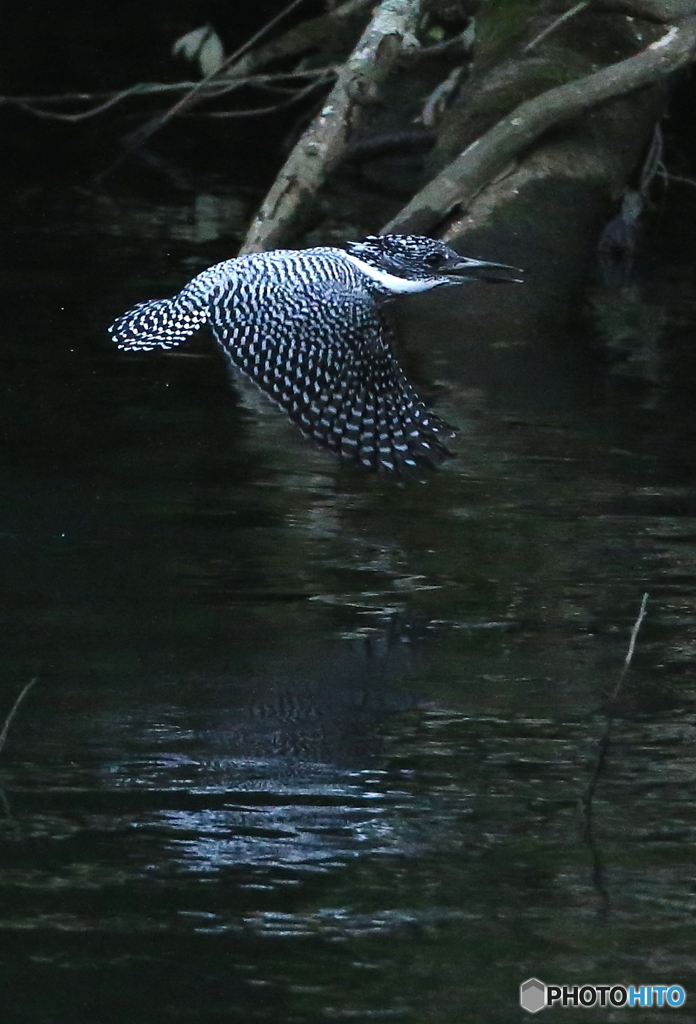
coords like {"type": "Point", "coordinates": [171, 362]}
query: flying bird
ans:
{"type": "Point", "coordinates": [307, 326]}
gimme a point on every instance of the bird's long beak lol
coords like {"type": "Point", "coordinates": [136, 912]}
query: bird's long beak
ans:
{"type": "Point", "coordinates": [464, 268]}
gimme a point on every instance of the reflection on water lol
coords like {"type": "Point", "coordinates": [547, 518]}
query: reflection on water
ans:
{"type": "Point", "coordinates": [308, 745]}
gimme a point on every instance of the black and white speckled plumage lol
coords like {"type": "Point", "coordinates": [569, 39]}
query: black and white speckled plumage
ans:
{"type": "Point", "coordinates": [306, 327]}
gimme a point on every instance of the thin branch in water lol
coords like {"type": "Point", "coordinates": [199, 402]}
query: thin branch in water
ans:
{"type": "Point", "coordinates": [631, 650]}
{"type": "Point", "coordinates": [556, 24]}
{"type": "Point", "coordinates": [5, 804]}
{"type": "Point", "coordinates": [598, 872]}
{"type": "Point", "coordinates": [13, 711]}
{"type": "Point", "coordinates": [605, 738]}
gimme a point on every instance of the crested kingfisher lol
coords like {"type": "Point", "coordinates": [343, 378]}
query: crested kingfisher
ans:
{"type": "Point", "coordinates": [307, 327]}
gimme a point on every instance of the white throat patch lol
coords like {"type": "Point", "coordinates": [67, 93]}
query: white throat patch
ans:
{"type": "Point", "coordinates": [391, 281]}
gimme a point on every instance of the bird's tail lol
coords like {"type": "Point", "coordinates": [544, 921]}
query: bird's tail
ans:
{"type": "Point", "coordinates": [160, 323]}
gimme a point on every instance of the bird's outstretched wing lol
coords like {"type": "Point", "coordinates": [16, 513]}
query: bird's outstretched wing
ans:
{"type": "Point", "coordinates": [323, 354]}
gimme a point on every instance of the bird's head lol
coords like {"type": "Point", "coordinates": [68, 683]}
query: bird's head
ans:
{"type": "Point", "coordinates": [424, 262]}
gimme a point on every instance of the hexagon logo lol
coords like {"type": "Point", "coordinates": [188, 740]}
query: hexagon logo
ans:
{"type": "Point", "coordinates": [532, 995]}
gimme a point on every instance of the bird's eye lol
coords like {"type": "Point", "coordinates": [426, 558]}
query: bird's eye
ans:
{"type": "Point", "coordinates": [434, 259]}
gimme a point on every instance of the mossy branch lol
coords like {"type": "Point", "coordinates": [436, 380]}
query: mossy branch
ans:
{"type": "Point", "coordinates": [488, 157]}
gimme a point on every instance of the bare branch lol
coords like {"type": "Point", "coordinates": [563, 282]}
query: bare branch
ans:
{"type": "Point", "coordinates": [488, 157]}
{"type": "Point", "coordinates": [323, 144]}
{"type": "Point", "coordinates": [83, 115]}
{"type": "Point", "coordinates": [214, 89]}
{"type": "Point", "coordinates": [147, 130]}
{"type": "Point", "coordinates": [310, 34]}
{"type": "Point", "coordinates": [680, 179]}
{"type": "Point", "coordinates": [457, 45]}
{"type": "Point", "coordinates": [556, 24]}
{"type": "Point", "coordinates": [439, 98]}
{"type": "Point", "coordinates": [294, 97]}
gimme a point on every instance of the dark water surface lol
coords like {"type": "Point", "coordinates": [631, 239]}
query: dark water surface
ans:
{"type": "Point", "coordinates": [307, 745]}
